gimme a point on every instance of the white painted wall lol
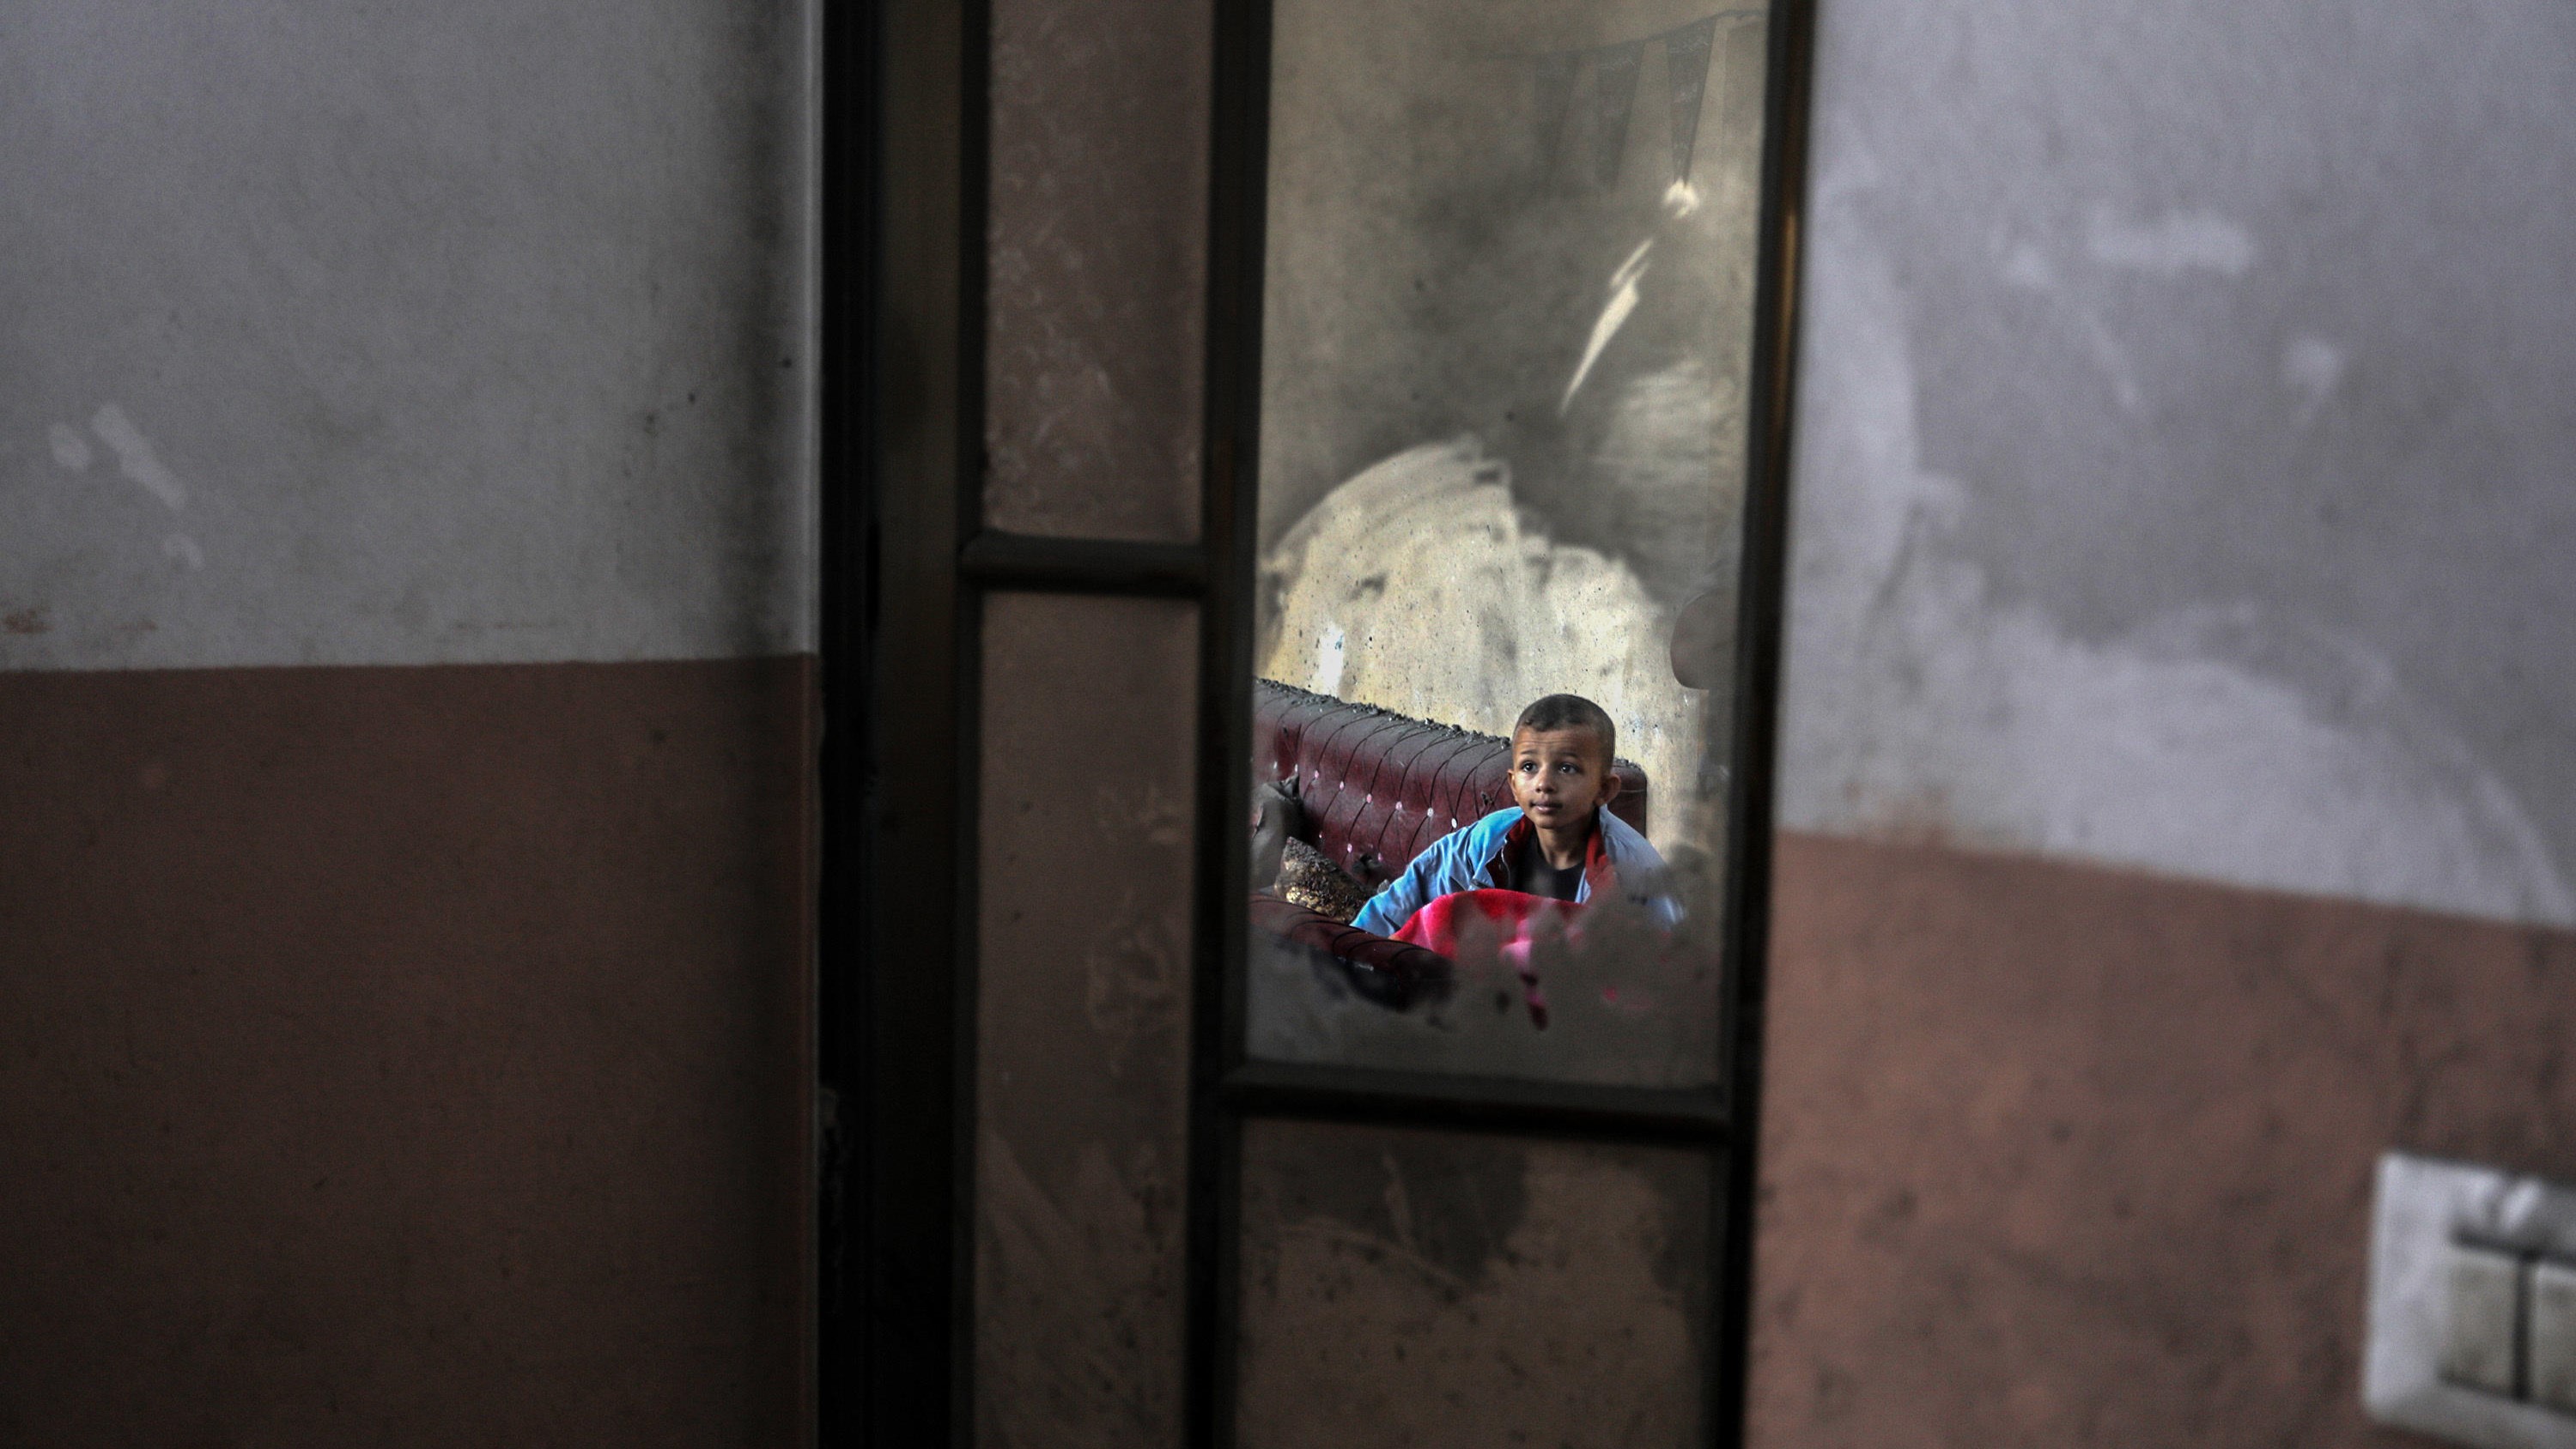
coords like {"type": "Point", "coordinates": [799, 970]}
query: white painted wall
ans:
{"type": "Point", "coordinates": [403, 334]}
{"type": "Point", "coordinates": [2186, 451]}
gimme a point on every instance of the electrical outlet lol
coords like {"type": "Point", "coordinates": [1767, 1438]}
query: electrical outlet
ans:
{"type": "Point", "coordinates": [2482, 1318]}
{"type": "Point", "coordinates": [2552, 1336]}
{"type": "Point", "coordinates": [2472, 1305]}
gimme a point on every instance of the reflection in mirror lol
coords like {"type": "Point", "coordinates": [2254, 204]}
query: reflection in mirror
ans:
{"type": "Point", "coordinates": [1509, 270]}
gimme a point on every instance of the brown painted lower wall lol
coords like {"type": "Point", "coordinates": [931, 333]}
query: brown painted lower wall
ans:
{"type": "Point", "coordinates": [404, 1056]}
{"type": "Point", "coordinates": [2058, 1155]}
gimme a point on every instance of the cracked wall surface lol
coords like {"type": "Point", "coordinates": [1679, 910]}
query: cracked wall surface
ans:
{"type": "Point", "coordinates": [2173, 756]}
{"type": "Point", "coordinates": [2183, 444]}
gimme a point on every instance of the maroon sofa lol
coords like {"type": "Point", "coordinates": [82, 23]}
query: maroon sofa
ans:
{"type": "Point", "coordinates": [1376, 787]}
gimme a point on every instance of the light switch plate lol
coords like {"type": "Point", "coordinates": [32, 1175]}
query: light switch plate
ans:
{"type": "Point", "coordinates": [2553, 1337]}
{"type": "Point", "coordinates": [2482, 1318]}
{"type": "Point", "coordinates": [2424, 1210]}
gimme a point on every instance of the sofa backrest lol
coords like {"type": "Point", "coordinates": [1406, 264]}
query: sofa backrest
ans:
{"type": "Point", "coordinates": [1378, 787]}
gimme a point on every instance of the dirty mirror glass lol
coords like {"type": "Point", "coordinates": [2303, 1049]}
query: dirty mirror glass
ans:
{"type": "Point", "coordinates": [1507, 315]}
{"type": "Point", "coordinates": [1408, 1287]}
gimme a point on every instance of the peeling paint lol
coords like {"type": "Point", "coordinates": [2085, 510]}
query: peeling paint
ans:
{"type": "Point", "coordinates": [135, 457]}
{"type": "Point", "coordinates": [2227, 739]}
{"type": "Point", "coordinates": [2311, 367]}
{"type": "Point", "coordinates": [70, 449]}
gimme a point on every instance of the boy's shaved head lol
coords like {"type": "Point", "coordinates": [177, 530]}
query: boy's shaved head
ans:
{"type": "Point", "coordinates": [1571, 712]}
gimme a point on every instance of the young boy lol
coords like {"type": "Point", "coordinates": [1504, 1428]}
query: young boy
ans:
{"type": "Point", "coordinates": [1559, 842]}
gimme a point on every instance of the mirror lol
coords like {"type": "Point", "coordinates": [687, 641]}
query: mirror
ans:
{"type": "Point", "coordinates": [1508, 282]}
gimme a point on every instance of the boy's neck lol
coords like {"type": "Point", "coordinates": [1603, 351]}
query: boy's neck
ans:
{"type": "Point", "coordinates": [1567, 847]}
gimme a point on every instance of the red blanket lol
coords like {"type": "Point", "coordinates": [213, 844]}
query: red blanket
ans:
{"type": "Point", "coordinates": [1498, 924]}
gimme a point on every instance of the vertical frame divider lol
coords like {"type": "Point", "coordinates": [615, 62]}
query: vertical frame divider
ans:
{"type": "Point", "coordinates": [849, 88]}
{"type": "Point", "coordinates": [906, 117]}
{"type": "Point", "coordinates": [1229, 526]}
{"type": "Point", "coordinates": [974, 206]}
{"type": "Point", "coordinates": [1762, 588]}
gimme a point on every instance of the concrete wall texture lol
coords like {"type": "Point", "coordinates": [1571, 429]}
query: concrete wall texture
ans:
{"type": "Point", "coordinates": [2185, 443]}
{"type": "Point", "coordinates": [2174, 749]}
{"type": "Point", "coordinates": [404, 695]}
{"type": "Point", "coordinates": [435, 334]}
{"type": "Point", "coordinates": [404, 723]}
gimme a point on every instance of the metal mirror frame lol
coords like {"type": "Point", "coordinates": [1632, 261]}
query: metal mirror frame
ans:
{"type": "Point", "coordinates": [907, 560]}
{"type": "Point", "coordinates": [1229, 1088]}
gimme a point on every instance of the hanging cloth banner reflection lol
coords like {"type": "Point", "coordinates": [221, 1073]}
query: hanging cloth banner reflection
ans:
{"type": "Point", "coordinates": [1686, 64]}
{"type": "Point", "coordinates": [1687, 52]}
{"type": "Point", "coordinates": [1555, 98]}
{"type": "Point", "coordinates": [1614, 79]}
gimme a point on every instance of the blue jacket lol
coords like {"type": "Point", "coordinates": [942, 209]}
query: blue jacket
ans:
{"type": "Point", "coordinates": [1480, 856]}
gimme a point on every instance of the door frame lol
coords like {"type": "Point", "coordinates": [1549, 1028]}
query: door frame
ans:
{"type": "Point", "coordinates": [906, 562]}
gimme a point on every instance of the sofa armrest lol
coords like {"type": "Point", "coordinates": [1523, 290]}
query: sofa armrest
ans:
{"type": "Point", "coordinates": [1390, 972]}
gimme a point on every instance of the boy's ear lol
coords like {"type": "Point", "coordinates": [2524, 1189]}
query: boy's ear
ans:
{"type": "Point", "coordinates": [1611, 784]}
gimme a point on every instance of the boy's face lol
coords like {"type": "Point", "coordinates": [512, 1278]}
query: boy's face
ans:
{"type": "Point", "coordinates": [1560, 776]}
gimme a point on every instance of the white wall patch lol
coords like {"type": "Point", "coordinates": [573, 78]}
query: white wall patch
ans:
{"type": "Point", "coordinates": [2170, 245]}
{"type": "Point", "coordinates": [135, 458]}
{"type": "Point", "coordinates": [71, 450]}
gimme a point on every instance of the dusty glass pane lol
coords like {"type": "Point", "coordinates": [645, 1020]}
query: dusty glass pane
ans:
{"type": "Point", "coordinates": [1404, 1287]}
{"type": "Point", "coordinates": [1098, 274]}
{"type": "Point", "coordinates": [1507, 321]}
{"type": "Point", "coordinates": [1083, 1002]}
